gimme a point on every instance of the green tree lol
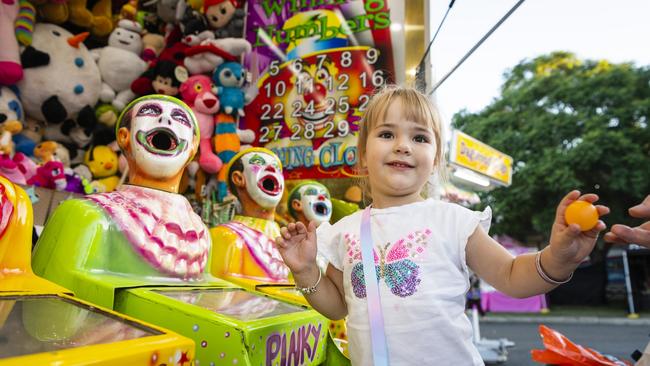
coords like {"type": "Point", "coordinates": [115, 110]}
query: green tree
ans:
{"type": "Point", "coordinates": [568, 124]}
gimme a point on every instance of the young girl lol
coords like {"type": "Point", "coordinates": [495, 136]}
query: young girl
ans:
{"type": "Point", "coordinates": [423, 249]}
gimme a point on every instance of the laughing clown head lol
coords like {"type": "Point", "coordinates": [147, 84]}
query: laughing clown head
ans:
{"type": "Point", "coordinates": [159, 136]}
{"type": "Point", "coordinates": [258, 173]}
{"type": "Point", "coordinates": [310, 201]}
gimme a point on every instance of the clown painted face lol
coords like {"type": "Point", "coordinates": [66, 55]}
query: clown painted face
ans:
{"type": "Point", "coordinates": [315, 203]}
{"type": "Point", "coordinates": [264, 180]}
{"type": "Point", "coordinates": [162, 136]}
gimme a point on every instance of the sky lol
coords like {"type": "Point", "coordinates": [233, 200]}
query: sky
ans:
{"type": "Point", "coordinates": [618, 31]}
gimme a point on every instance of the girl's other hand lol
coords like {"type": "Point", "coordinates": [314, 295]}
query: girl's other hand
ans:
{"type": "Point", "coordinates": [297, 246]}
{"type": "Point", "coordinates": [568, 243]}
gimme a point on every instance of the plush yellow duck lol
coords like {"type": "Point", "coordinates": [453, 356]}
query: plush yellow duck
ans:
{"type": "Point", "coordinates": [103, 164]}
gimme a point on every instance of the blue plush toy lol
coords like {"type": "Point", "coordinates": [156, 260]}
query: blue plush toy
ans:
{"type": "Point", "coordinates": [229, 78]}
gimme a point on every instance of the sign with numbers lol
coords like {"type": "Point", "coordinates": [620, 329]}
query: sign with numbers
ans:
{"type": "Point", "coordinates": [316, 67]}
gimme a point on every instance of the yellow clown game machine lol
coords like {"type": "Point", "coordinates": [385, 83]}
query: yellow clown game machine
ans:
{"type": "Point", "coordinates": [42, 323]}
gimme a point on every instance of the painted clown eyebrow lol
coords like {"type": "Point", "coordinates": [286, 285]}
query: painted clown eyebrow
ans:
{"type": "Point", "coordinates": [150, 109]}
{"type": "Point", "coordinates": [180, 116]}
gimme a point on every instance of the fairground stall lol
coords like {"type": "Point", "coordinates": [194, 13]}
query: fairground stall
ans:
{"type": "Point", "coordinates": [155, 117]}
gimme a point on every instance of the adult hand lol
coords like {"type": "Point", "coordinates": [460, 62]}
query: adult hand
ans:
{"type": "Point", "coordinates": [622, 234]}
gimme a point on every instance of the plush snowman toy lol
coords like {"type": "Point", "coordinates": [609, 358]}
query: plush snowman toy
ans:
{"type": "Point", "coordinates": [120, 63]}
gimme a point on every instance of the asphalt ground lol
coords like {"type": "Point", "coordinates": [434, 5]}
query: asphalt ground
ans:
{"type": "Point", "coordinates": [618, 340]}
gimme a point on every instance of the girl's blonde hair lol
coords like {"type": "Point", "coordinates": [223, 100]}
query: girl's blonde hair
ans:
{"type": "Point", "coordinates": [416, 107]}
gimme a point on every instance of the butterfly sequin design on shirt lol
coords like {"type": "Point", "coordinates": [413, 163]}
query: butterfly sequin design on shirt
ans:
{"type": "Point", "coordinates": [394, 263]}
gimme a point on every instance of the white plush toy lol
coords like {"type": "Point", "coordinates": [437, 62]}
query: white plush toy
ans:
{"type": "Point", "coordinates": [61, 82]}
{"type": "Point", "coordinates": [120, 63]}
{"type": "Point", "coordinates": [210, 53]}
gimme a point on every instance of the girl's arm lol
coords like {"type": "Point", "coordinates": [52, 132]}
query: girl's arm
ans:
{"type": "Point", "coordinates": [518, 276]}
{"type": "Point", "coordinates": [328, 298]}
{"type": "Point", "coordinates": [297, 245]}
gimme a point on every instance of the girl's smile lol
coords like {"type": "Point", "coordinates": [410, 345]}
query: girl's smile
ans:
{"type": "Point", "coordinates": [400, 156]}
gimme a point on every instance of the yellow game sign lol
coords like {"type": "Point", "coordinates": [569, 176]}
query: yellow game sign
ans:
{"type": "Point", "coordinates": [473, 154]}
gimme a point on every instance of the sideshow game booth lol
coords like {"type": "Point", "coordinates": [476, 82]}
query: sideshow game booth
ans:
{"type": "Point", "coordinates": [137, 129]}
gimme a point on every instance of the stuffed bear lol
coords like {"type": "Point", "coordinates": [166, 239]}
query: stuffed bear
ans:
{"type": "Point", "coordinates": [120, 63]}
{"type": "Point", "coordinates": [61, 83]}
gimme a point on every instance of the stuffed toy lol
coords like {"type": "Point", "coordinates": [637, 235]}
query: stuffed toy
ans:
{"type": "Point", "coordinates": [129, 10]}
{"type": "Point", "coordinates": [194, 28]}
{"type": "Point", "coordinates": [120, 63]}
{"type": "Point", "coordinates": [10, 69]}
{"type": "Point", "coordinates": [106, 114]}
{"type": "Point", "coordinates": [224, 18]}
{"type": "Point", "coordinates": [98, 20]}
{"type": "Point", "coordinates": [166, 10]}
{"type": "Point", "coordinates": [152, 46]}
{"type": "Point", "coordinates": [210, 53]}
{"type": "Point", "coordinates": [229, 79]}
{"type": "Point", "coordinates": [52, 150]}
{"type": "Point", "coordinates": [173, 53]}
{"type": "Point", "coordinates": [227, 143]}
{"type": "Point", "coordinates": [61, 83]}
{"type": "Point", "coordinates": [164, 77]}
{"type": "Point", "coordinates": [25, 22]}
{"type": "Point", "coordinates": [26, 165]}
{"type": "Point", "coordinates": [49, 175]}
{"type": "Point", "coordinates": [52, 11]}
{"type": "Point", "coordinates": [197, 93]}
{"type": "Point", "coordinates": [103, 164]}
{"type": "Point", "coordinates": [11, 119]}
{"type": "Point", "coordinates": [31, 135]}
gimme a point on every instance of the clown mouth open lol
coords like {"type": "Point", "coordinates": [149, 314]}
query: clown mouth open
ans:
{"type": "Point", "coordinates": [270, 185]}
{"type": "Point", "coordinates": [321, 209]}
{"type": "Point", "coordinates": [161, 141]}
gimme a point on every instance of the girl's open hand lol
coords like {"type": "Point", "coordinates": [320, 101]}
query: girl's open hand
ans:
{"type": "Point", "coordinates": [569, 244]}
{"type": "Point", "coordinates": [297, 246]}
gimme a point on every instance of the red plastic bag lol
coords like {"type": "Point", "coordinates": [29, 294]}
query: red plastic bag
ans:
{"type": "Point", "coordinates": [561, 351]}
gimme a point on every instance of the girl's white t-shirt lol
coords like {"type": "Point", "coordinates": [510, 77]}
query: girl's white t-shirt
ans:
{"type": "Point", "coordinates": [422, 282]}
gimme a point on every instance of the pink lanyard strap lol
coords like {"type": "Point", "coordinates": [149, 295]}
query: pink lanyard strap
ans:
{"type": "Point", "coordinates": [377, 333]}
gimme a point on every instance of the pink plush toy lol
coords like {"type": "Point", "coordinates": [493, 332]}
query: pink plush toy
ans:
{"type": "Point", "coordinates": [49, 175]}
{"type": "Point", "coordinates": [196, 91]}
{"type": "Point", "coordinates": [10, 69]}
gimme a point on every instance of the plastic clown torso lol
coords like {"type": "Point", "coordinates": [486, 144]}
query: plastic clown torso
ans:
{"type": "Point", "coordinates": [141, 233]}
{"type": "Point", "coordinates": [246, 250]}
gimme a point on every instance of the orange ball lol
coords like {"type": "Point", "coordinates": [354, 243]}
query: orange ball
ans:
{"type": "Point", "coordinates": [582, 213]}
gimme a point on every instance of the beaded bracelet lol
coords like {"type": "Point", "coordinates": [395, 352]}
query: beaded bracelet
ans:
{"type": "Point", "coordinates": [544, 275]}
{"type": "Point", "coordinates": [311, 289]}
